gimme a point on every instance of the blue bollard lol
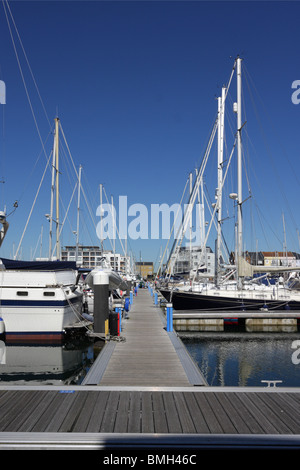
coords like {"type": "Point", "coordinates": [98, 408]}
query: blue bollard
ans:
{"type": "Point", "coordinates": [169, 317]}
{"type": "Point", "coordinates": [131, 298]}
{"type": "Point", "coordinates": [155, 298]}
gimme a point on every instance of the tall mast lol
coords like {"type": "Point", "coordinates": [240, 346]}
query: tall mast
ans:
{"type": "Point", "coordinates": [78, 210]}
{"type": "Point", "coordinates": [52, 199]}
{"type": "Point", "coordinates": [54, 184]}
{"type": "Point", "coordinates": [101, 217]}
{"type": "Point", "coordinates": [239, 159]}
{"type": "Point", "coordinates": [57, 188]}
{"type": "Point", "coordinates": [114, 237]}
{"type": "Point", "coordinates": [191, 223]}
{"type": "Point", "coordinates": [221, 110]}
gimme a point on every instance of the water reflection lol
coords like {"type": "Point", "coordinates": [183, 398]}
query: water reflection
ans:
{"type": "Point", "coordinates": [63, 364]}
{"type": "Point", "coordinates": [243, 359]}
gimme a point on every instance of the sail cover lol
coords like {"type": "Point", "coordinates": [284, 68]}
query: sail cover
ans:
{"type": "Point", "coordinates": [38, 265]}
{"type": "Point", "coordinates": [247, 270]}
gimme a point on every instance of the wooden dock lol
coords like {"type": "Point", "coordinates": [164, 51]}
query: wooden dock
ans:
{"type": "Point", "coordinates": [149, 356]}
{"type": "Point", "coordinates": [89, 417]}
{"type": "Point", "coordinates": [146, 393]}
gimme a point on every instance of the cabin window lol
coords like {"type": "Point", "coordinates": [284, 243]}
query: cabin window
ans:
{"type": "Point", "coordinates": [49, 294]}
{"type": "Point", "coordinates": [22, 293]}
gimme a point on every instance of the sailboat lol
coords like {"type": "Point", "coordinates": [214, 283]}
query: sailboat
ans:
{"type": "Point", "coordinates": [242, 293]}
{"type": "Point", "coordinates": [39, 300]}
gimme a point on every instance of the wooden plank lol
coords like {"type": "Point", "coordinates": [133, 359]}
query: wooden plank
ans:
{"type": "Point", "coordinates": [253, 406]}
{"type": "Point", "coordinates": [267, 409]}
{"type": "Point", "coordinates": [238, 419]}
{"type": "Point", "coordinates": [134, 414]}
{"type": "Point", "coordinates": [285, 410]}
{"type": "Point", "coordinates": [121, 422]}
{"type": "Point", "coordinates": [109, 417]}
{"type": "Point", "coordinates": [187, 424]}
{"type": "Point", "coordinates": [15, 409]}
{"type": "Point", "coordinates": [160, 421]}
{"type": "Point", "coordinates": [40, 406]}
{"type": "Point", "coordinates": [79, 400]}
{"type": "Point", "coordinates": [210, 418]}
{"type": "Point", "coordinates": [275, 413]}
{"type": "Point", "coordinates": [196, 413]}
{"type": "Point", "coordinates": [174, 425]}
{"type": "Point", "coordinates": [86, 411]}
{"type": "Point", "coordinates": [97, 414]}
{"type": "Point", "coordinates": [252, 423]}
{"type": "Point", "coordinates": [5, 398]}
{"type": "Point", "coordinates": [8, 402]}
{"type": "Point", "coordinates": [62, 406]}
{"type": "Point", "coordinates": [147, 413]}
{"type": "Point", "coordinates": [219, 409]}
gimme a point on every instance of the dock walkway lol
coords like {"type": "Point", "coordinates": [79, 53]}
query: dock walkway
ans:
{"type": "Point", "coordinates": [149, 356]}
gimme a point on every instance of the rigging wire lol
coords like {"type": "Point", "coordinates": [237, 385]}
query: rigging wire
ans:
{"type": "Point", "coordinates": [32, 207]}
{"type": "Point", "coordinates": [13, 31]}
{"type": "Point", "coordinates": [5, 2]}
{"type": "Point", "coordinates": [278, 177]}
{"type": "Point", "coordinates": [27, 61]}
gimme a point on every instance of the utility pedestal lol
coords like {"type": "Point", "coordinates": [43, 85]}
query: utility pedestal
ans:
{"type": "Point", "coordinates": [101, 306]}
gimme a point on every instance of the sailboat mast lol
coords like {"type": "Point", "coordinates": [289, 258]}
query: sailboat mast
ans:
{"type": "Point", "coordinates": [239, 159]}
{"type": "Point", "coordinates": [101, 217]}
{"type": "Point", "coordinates": [221, 109]}
{"type": "Point", "coordinates": [78, 212]}
{"type": "Point", "coordinates": [57, 188]}
{"type": "Point", "coordinates": [54, 185]}
{"type": "Point", "coordinates": [52, 198]}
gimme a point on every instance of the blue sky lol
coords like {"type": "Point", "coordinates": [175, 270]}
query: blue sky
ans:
{"type": "Point", "coordinates": [135, 85]}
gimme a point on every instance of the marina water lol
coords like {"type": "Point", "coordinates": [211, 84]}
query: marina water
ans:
{"type": "Point", "coordinates": [240, 358]}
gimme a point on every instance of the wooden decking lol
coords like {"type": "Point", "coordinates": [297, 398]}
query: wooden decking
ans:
{"type": "Point", "coordinates": [103, 418]}
{"type": "Point", "coordinates": [149, 356]}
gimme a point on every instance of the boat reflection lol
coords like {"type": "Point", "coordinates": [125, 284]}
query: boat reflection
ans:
{"type": "Point", "coordinates": [45, 364]}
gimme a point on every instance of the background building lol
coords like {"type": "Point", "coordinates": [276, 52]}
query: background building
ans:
{"type": "Point", "coordinates": [90, 257]}
{"type": "Point", "coordinates": [144, 268]}
{"type": "Point", "coordinates": [192, 258]}
{"type": "Point", "coordinates": [273, 258]}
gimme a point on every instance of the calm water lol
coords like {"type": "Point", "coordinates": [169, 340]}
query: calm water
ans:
{"type": "Point", "coordinates": [65, 364]}
{"type": "Point", "coordinates": [231, 358]}
{"type": "Point", "coordinates": [244, 359]}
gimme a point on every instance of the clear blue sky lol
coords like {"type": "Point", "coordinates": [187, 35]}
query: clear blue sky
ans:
{"type": "Point", "coordinates": [134, 85]}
